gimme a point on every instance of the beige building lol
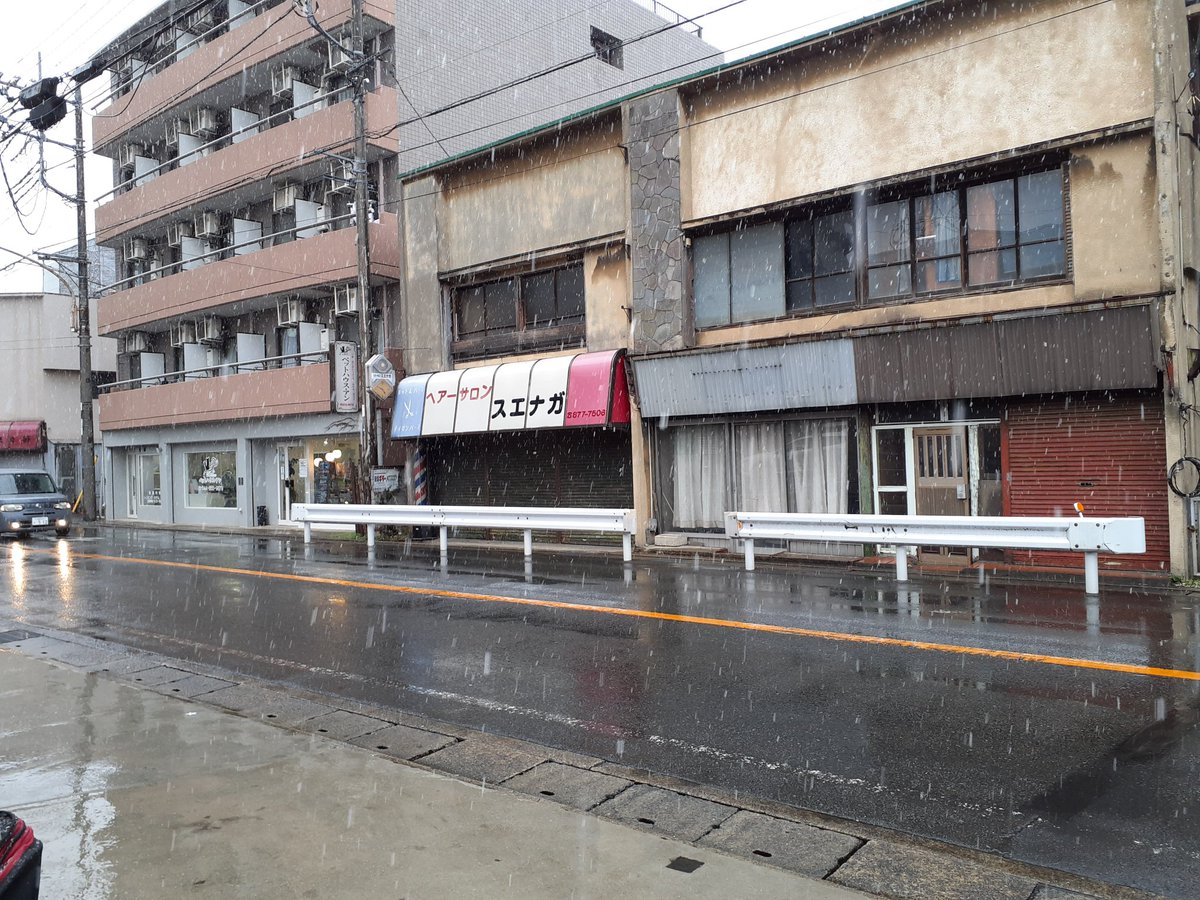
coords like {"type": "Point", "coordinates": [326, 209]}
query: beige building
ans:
{"type": "Point", "coordinates": [941, 261]}
{"type": "Point", "coordinates": [40, 424]}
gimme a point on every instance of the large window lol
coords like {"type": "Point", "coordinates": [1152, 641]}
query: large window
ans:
{"type": "Point", "coordinates": [212, 479]}
{"type": "Point", "coordinates": [944, 235]}
{"type": "Point", "coordinates": [798, 465]}
{"type": "Point", "coordinates": [531, 311]}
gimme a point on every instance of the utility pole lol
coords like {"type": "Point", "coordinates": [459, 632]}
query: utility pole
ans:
{"type": "Point", "coordinates": [87, 449]}
{"type": "Point", "coordinates": [47, 108]}
{"type": "Point", "coordinates": [362, 209]}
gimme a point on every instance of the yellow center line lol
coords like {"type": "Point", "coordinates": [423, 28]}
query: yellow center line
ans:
{"type": "Point", "coordinates": [839, 636]}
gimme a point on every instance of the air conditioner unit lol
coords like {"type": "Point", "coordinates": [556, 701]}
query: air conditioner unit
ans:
{"type": "Point", "coordinates": [135, 342]}
{"type": "Point", "coordinates": [341, 177]}
{"type": "Point", "coordinates": [156, 264]}
{"type": "Point", "coordinates": [183, 333]}
{"type": "Point", "coordinates": [285, 196]}
{"type": "Point", "coordinates": [128, 154]}
{"type": "Point", "coordinates": [210, 330]}
{"type": "Point", "coordinates": [339, 59]}
{"type": "Point", "coordinates": [282, 78]}
{"type": "Point", "coordinates": [345, 300]}
{"type": "Point", "coordinates": [291, 310]}
{"type": "Point", "coordinates": [136, 248]}
{"type": "Point", "coordinates": [207, 225]}
{"type": "Point", "coordinates": [202, 19]}
{"type": "Point", "coordinates": [175, 128]}
{"type": "Point", "coordinates": [177, 232]}
{"type": "Point", "coordinates": [202, 122]}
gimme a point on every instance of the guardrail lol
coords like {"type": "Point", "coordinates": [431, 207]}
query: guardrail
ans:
{"type": "Point", "coordinates": [516, 518]}
{"type": "Point", "coordinates": [1088, 536]}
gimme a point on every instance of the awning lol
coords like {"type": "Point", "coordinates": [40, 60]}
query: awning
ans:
{"type": "Point", "coordinates": [23, 436]}
{"type": "Point", "coordinates": [557, 392]}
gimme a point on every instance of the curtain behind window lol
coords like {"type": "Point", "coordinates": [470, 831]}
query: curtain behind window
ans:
{"type": "Point", "coordinates": [818, 460]}
{"type": "Point", "coordinates": [699, 485]}
{"type": "Point", "coordinates": [761, 467]}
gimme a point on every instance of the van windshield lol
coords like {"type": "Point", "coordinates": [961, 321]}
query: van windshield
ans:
{"type": "Point", "coordinates": [26, 483]}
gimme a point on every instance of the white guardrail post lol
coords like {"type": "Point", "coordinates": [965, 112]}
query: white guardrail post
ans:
{"type": "Point", "coordinates": [1091, 537]}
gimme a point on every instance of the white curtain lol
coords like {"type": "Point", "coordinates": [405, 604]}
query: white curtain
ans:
{"type": "Point", "coordinates": [818, 459]}
{"type": "Point", "coordinates": [761, 467]}
{"type": "Point", "coordinates": [698, 487]}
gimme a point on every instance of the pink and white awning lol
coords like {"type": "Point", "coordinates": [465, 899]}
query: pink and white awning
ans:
{"type": "Point", "coordinates": [586, 389]}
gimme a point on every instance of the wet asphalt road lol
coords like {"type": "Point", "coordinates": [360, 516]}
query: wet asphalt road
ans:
{"type": "Point", "coordinates": [1088, 770]}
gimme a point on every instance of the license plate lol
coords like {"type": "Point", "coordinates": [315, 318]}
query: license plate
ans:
{"type": "Point", "coordinates": [41, 520]}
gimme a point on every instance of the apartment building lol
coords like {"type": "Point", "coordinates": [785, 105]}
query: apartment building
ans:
{"type": "Point", "coordinates": [941, 260]}
{"type": "Point", "coordinates": [230, 127]}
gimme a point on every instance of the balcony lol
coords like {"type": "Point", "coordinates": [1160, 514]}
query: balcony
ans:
{"type": "Point", "coordinates": [279, 391]}
{"type": "Point", "coordinates": [240, 53]}
{"type": "Point", "coordinates": [226, 176]}
{"type": "Point", "coordinates": [252, 280]}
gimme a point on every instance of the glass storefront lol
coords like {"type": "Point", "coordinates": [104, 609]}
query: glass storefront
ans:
{"type": "Point", "coordinates": [211, 479]}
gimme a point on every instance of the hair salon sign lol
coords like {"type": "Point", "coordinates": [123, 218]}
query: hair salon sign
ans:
{"type": "Point", "coordinates": [344, 374]}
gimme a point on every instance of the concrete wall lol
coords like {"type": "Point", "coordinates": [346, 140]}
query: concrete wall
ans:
{"type": "Point", "coordinates": [556, 192]}
{"type": "Point", "coordinates": [451, 49]}
{"type": "Point", "coordinates": [42, 378]}
{"type": "Point", "coordinates": [989, 78]}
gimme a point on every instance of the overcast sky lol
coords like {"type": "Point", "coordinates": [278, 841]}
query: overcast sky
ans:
{"type": "Point", "coordinates": [68, 32]}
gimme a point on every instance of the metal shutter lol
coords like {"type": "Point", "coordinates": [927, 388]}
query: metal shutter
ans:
{"type": "Point", "coordinates": [1107, 452]}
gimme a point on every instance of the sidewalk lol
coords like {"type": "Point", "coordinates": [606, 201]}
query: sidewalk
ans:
{"type": "Point", "coordinates": [139, 795]}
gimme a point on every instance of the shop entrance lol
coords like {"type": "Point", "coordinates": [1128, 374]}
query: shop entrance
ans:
{"type": "Point", "coordinates": [145, 485]}
{"type": "Point", "coordinates": [942, 486]}
{"type": "Point", "coordinates": [938, 469]}
{"type": "Point", "coordinates": [294, 466]}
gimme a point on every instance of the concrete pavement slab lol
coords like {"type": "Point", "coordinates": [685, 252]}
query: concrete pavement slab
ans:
{"type": "Point", "coordinates": [191, 686]}
{"type": "Point", "coordinates": [680, 816]}
{"type": "Point", "coordinates": [157, 675]}
{"type": "Point", "coordinates": [138, 797]}
{"type": "Point", "coordinates": [403, 742]}
{"type": "Point", "coordinates": [580, 788]}
{"type": "Point", "coordinates": [263, 703]}
{"type": "Point", "coordinates": [800, 848]}
{"type": "Point", "coordinates": [343, 725]}
{"type": "Point", "coordinates": [485, 759]}
{"type": "Point", "coordinates": [909, 873]}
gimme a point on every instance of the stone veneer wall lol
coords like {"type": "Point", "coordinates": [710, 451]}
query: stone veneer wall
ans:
{"type": "Point", "coordinates": [660, 317]}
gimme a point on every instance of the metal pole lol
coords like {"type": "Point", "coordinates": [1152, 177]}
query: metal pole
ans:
{"type": "Point", "coordinates": [528, 543]}
{"type": "Point", "coordinates": [367, 456]}
{"type": "Point", "coordinates": [749, 546]}
{"type": "Point", "coordinates": [901, 563]}
{"type": "Point", "coordinates": [1091, 572]}
{"type": "Point", "coordinates": [87, 438]}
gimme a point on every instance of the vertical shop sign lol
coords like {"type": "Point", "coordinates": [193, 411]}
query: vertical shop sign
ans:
{"type": "Point", "coordinates": [345, 376]}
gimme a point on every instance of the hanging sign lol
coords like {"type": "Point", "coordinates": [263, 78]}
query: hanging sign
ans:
{"type": "Point", "coordinates": [344, 373]}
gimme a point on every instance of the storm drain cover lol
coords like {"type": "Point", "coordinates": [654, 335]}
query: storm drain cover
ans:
{"type": "Point", "coordinates": [684, 864]}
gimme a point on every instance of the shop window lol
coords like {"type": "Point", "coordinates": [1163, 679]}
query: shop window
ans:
{"type": "Point", "coordinates": [211, 479]}
{"type": "Point", "coordinates": [904, 242]}
{"type": "Point", "coordinates": [535, 311]}
{"type": "Point", "coordinates": [801, 465]}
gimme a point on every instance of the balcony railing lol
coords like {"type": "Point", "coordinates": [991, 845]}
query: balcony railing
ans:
{"type": "Point", "coordinates": [287, 361]}
{"type": "Point", "coordinates": [274, 239]}
{"type": "Point", "coordinates": [266, 123]}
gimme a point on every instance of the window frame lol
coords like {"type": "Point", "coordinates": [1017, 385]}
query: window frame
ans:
{"type": "Point", "coordinates": [523, 334]}
{"type": "Point", "coordinates": [862, 266]}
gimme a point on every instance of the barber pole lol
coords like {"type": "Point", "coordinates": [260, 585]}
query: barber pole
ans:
{"type": "Point", "coordinates": [420, 491]}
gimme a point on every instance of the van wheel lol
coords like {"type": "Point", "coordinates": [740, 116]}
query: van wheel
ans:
{"type": "Point", "coordinates": [62, 532]}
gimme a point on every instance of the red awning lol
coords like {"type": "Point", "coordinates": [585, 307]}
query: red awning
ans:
{"type": "Point", "coordinates": [30, 436]}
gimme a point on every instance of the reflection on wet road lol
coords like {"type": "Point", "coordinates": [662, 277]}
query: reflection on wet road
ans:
{"type": "Point", "coordinates": [1023, 719]}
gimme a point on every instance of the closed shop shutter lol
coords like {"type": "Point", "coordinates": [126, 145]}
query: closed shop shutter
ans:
{"type": "Point", "coordinates": [1107, 452]}
{"type": "Point", "coordinates": [582, 467]}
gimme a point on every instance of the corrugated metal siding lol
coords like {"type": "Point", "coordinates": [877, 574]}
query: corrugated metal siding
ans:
{"type": "Point", "coordinates": [1107, 453]}
{"type": "Point", "coordinates": [747, 379]}
{"type": "Point", "coordinates": [1111, 349]}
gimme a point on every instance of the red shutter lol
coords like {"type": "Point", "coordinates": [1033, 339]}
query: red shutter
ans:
{"type": "Point", "coordinates": [1107, 452]}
